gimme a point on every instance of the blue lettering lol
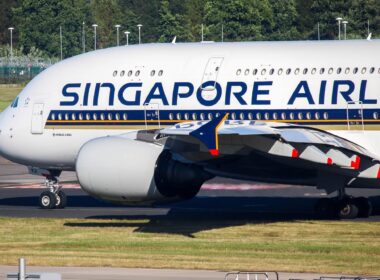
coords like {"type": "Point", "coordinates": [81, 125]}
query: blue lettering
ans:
{"type": "Point", "coordinates": [136, 100]}
{"type": "Point", "coordinates": [256, 92]}
{"type": "Point", "coordinates": [111, 93]}
{"type": "Point", "coordinates": [177, 93]}
{"type": "Point", "coordinates": [73, 95]}
{"type": "Point", "coordinates": [160, 94]}
{"type": "Point", "coordinates": [363, 87]}
{"type": "Point", "coordinates": [322, 92]}
{"type": "Point", "coordinates": [217, 97]}
{"type": "Point", "coordinates": [345, 94]}
{"type": "Point", "coordinates": [86, 93]}
{"type": "Point", "coordinates": [238, 94]}
{"type": "Point", "coordinates": [302, 91]}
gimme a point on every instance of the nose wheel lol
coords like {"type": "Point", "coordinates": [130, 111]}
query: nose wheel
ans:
{"type": "Point", "coordinates": [54, 198]}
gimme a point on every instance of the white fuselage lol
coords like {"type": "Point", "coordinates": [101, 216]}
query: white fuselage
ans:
{"type": "Point", "coordinates": [331, 85]}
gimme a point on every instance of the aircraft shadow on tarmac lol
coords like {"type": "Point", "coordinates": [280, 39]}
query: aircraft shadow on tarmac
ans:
{"type": "Point", "coordinates": [189, 217]}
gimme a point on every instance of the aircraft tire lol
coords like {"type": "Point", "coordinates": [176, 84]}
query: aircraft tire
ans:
{"type": "Point", "coordinates": [347, 209]}
{"type": "Point", "coordinates": [61, 200]}
{"type": "Point", "coordinates": [364, 206]}
{"type": "Point", "coordinates": [47, 200]}
{"type": "Point", "coordinates": [190, 192]}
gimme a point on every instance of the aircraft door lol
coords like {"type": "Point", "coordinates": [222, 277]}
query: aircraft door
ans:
{"type": "Point", "coordinates": [152, 116]}
{"type": "Point", "coordinates": [211, 72]}
{"type": "Point", "coordinates": [37, 126]}
{"type": "Point", "coordinates": [355, 118]}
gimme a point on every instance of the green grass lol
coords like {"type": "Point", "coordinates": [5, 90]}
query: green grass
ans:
{"type": "Point", "coordinates": [7, 94]}
{"type": "Point", "coordinates": [299, 246]}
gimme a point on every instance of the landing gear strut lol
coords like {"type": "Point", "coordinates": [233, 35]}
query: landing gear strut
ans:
{"type": "Point", "coordinates": [344, 207]}
{"type": "Point", "coordinates": [54, 197]}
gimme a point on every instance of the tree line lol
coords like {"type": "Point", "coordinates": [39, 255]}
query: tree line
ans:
{"type": "Point", "coordinates": [37, 22]}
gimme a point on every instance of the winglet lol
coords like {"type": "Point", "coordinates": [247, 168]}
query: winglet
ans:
{"type": "Point", "coordinates": [208, 134]}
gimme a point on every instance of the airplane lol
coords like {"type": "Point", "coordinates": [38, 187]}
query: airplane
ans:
{"type": "Point", "coordinates": [150, 123]}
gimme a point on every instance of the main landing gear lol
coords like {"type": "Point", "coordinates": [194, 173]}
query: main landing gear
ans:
{"type": "Point", "coordinates": [54, 198]}
{"type": "Point", "coordinates": [344, 207]}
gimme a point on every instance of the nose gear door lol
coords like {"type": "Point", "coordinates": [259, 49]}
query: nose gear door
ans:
{"type": "Point", "coordinates": [37, 126]}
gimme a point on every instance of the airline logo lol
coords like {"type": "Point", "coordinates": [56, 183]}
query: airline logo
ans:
{"type": "Point", "coordinates": [257, 93]}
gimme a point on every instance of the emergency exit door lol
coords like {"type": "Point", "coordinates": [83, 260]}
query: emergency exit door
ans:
{"type": "Point", "coordinates": [37, 119]}
{"type": "Point", "coordinates": [211, 72]}
{"type": "Point", "coordinates": [152, 116]}
{"type": "Point", "coordinates": [355, 117]}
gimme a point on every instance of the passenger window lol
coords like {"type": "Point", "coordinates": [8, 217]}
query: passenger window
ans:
{"type": "Point", "coordinates": [250, 116]}
{"type": "Point", "coordinates": [238, 72]}
{"type": "Point", "coordinates": [263, 72]}
{"type": "Point", "coordinates": [308, 115]}
{"type": "Point", "coordinates": [313, 71]}
{"type": "Point", "coordinates": [326, 115]}
{"type": "Point", "coordinates": [114, 73]}
{"type": "Point", "coordinates": [280, 71]}
{"type": "Point", "coordinates": [73, 116]}
{"type": "Point", "coordinates": [246, 72]}
{"type": "Point", "coordinates": [125, 116]}
{"type": "Point", "coordinates": [275, 116]}
{"type": "Point", "coordinates": [194, 116]}
{"type": "Point", "coordinates": [376, 115]}
{"type": "Point", "coordinates": [242, 116]}
{"type": "Point", "coordinates": [186, 116]}
{"type": "Point", "coordinates": [258, 116]}
{"type": "Point", "coordinates": [233, 116]}
{"type": "Point", "coordinates": [152, 73]}
{"type": "Point", "coordinates": [254, 72]}
{"type": "Point", "coordinates": [355, 70]}
{"type": "Point", "coordinates": [160, 73]}
{"type": "Point", "coordinates": [110, 116]}
{"type": "Point", "coordinates": [102, 117]}
{"type": "Point", "coordinates": [81, 116]}
{"type": "Point", "coordinates": [129, 73]}
{"type": "Point", "coordinates": [364, 70]}
{"type": "Point", "coordinates": [271, 71]}
{"type": "Point", "coordinates": [179, 116]}
{"type": "Point", "coordinates": [202, 116]}
{"type": "Point", "coordinates": [66, 116]}
{"type": "Point", "coordinates": [60, 116]}
{"type": "Point", "coordinates": [300, 116]}
{"type": "Point", "coordinates": [171, 116]}
{"type": "Point", "coordinates": [291, 116]}
{"type": "Point", "coordinates": [297, 71]}
{"type": "Point", "coordinates": [305, 71]}
{"type": "Point", "coordinates": [322, 71]}
{"type": "Point", "coordinates": [339, 70]}
{"type": "Point", "coordinates": [137, 73]}
{"type": "Point", "coordinates": [122, 73]}
{"type": "Point", "coordinates": [266, 115]}
{"type": "Point", "coordinates": [283, 116]}
{"type": "Point", "coordinates": [117, 116]}
{"type": "Point", "coordinates": [53, 116]}
{"type": "Point", "coordinates": [347, 71]}
{"type": "Point", "coordinates": [210, 116]}
{"type": "Point", "coordinates": [317, 116]}
{"type": "Point", "coordinates": [288, 71]}
{"type": "Point", "coordinates": [88, 117]}
{"type": "Point", "coordinates": [372, 70]}
{"type": "Point", "coordinates": [94, 116]}
{"type": "Point", "coordinates": [331, 70]}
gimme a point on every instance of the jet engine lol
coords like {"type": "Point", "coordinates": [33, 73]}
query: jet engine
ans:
{"type": "Point", "coordinates": [128, 171]}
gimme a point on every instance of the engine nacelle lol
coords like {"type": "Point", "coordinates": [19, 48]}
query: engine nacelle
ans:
{"type": "Point", "coordinates": [124, 170]}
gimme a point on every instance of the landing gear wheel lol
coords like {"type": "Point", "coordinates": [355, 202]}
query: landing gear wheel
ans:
{"type": "Point", "coordinates": [61, 200]}
{"type": "Point", "coordinates": [324, 208]}
{"type": "Point", "coordinates": [364, 206]}
{"type": "Point", "coordinates": [48, 200]}
{"type": "Point", "coordinates": [347, 209]}
{"type": "Point", "coordinates": [189, 192]}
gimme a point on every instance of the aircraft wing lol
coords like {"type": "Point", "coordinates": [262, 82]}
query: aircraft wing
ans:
{"type": "Point", "coordinates": [283, 142]}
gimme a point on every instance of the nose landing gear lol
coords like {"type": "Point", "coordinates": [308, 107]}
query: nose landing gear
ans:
{"type": "Point", "coordinates": [54, 198]}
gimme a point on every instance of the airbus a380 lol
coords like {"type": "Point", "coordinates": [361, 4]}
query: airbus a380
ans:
{"type": "Point", "coordinates": [151, 123]}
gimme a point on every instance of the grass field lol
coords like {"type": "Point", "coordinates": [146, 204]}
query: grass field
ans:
{"type": "Point", "coordinates": [7, 94]}
{"type": "Point", "coordinates": [299, 246]}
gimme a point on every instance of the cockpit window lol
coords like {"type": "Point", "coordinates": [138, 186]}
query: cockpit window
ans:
{"type": "Point", "coordinates": [15, 103]}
